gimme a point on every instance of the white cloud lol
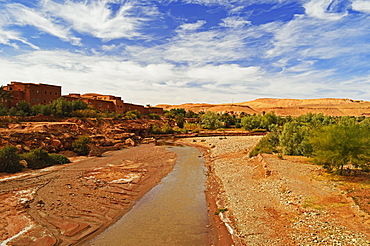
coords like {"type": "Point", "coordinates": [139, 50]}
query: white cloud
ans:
{"type": "Point", "coordinates": [6, 37]}
{"type": "Point", "coordinates": [167, 83]}
{"type": "Point", "coordinates": [361, 6]}
{"type": "Point", "coordinates": [98, 19]}
{"type": "Point", "coordinates": [22, 15]}
{"type": "Point", "coordinates": [318, 9]}
{"type": "Point", "coordinates": [192, 26]}
{"type": "Point", "coordinates": [234, 22]}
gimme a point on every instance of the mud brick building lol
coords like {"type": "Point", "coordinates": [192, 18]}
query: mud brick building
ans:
{"type": "Point", "coordinates": [45, 94]}
{"type": "Point", "coordinates": [103, 103]}
{"type": "Point", "coordinates": [32, 93]}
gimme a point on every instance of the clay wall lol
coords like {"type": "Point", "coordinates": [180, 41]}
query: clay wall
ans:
{"type": "Point", "coordinates": [131, 107]}
{"type": "Point", "coordinates": [153, 110]}
{"type": "Point", "coordinates": [33, 93]}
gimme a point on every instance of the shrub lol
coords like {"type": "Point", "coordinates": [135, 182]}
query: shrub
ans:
{"type": "Point", "coordinates": [133, 115]}
{"type": "Point", "coordinates": [156, 129]}
{"type": "Point", "coordinates": [9, 159]}
{"type": "Point", "coordinates": [154, 116]}
{"type": "Point", "coordinates": [59, 159]}
{"type": "Point", "coordinates": [167, 128]}
{"type": "Point", "coordinates": [266, 145]}
{"type": "Point", "coordinates": [80, 146]}
{"type": "Point", "coordinates": [37, 158]}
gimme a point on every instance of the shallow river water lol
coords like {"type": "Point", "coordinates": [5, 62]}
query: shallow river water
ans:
{"type": "Point", "coordinates": [172, 213]}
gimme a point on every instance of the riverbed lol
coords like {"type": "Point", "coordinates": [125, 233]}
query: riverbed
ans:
{"type": "Point", "coordinates": [172, 213]}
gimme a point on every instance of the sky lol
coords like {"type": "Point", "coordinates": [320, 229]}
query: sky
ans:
{"type": "Point", "coordinates": [181, 51]}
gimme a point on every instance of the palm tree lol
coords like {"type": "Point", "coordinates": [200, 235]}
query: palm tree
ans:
{"type": "Point", "coordinates": [4, 94]}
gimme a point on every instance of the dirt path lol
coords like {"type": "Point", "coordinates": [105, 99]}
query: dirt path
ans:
{"type": "Point", "coordinates": [67, 204]}
{"type": "Point", "coordinates": [279, 202]}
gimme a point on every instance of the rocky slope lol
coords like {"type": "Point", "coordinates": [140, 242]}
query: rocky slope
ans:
{"type": "Point", "coordinates": [58, 136]}
{"type": "Point", "coordinates": [285, 107]}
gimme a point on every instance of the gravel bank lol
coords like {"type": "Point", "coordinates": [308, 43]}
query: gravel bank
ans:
{"type": "Point", "coordinates": [280, 202]}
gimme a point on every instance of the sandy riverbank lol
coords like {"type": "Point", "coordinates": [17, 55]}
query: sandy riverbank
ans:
{"type": "Point", "coordinates": [68, 204]}
{"type": "Point", "coordinates": [268, 201]}
{"type": "Point", "coordinates": [276, 202]}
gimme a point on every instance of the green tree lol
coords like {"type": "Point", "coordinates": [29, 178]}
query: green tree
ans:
{"type": "Point", "coordinates": [5, 95]}
{"type": "Point", "coordinates": [294, 139]}
{"type": "Point", "coordinates": [80, 146]}
{"type": "Point", "coordinates": [180, 120]}
{"type": "Point", "coordinates": [191, 114]}
{"type": "Point", "coordinates": [9, 159]}
{"type": "Point", "coordinates": [24, 108]}
{"type": "Point", "coordinates": [61, 107]}
{"type": "Point", "coordinates": [335, 146]}
{"type": "Point", "coordinates": [228, 120]}
{"type": "Point", "coordinates": [211, 120]}
{"type": "Point", "coordinates": [78, 105]}
{"type": "Point", "coordinates": [251, 122]}
{"type": "Point", "coordinates": [41, 109]}
{"type": "Point", "coordinates": [3, 110]}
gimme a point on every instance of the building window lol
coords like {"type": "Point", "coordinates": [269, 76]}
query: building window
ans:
{"type": "Point", "coordinates": [37, 91]}
{"type": "Point", "coordinates": [44, 101]}
{"type": "Point", "coordinates": [33, 99]}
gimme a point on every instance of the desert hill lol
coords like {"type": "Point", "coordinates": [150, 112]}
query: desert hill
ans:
{"type": "Point", "coordinates": [284, 107]}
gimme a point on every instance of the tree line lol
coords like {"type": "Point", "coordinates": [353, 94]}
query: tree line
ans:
{"type": "Point", "coordinates": [334, 142]}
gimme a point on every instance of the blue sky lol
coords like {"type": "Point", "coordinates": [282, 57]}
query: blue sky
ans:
{"type": "Point", "coordinates": [173, 51]}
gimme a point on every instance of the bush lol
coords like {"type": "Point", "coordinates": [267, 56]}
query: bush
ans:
{"type": "Point", "coordinates": [167, 128]}
{"type": "Point", "coordinates": [154, 116]}
{"type": "Point", "coordinates": [59, 159]}
{"type": "Point", "coordinates": [266, 145]}
{"type": "Point", "coordinates": [80, 146]}
{"type": "Point", "coordinates": [37, 158]}
{"type": "Point", "coordinates": [133, 115]}
{"type": "Point", "coordinates": [9, 160]}
{"type": "Point", "coordinates": [85, 113]}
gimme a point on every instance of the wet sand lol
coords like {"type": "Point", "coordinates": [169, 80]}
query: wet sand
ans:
{"type": "Point", "coordinates": [64, 205]}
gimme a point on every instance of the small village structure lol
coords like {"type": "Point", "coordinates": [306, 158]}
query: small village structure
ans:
{"type": "Point", "coordinates": [36, 94]}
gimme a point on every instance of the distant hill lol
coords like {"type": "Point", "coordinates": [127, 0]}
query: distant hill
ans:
{"type": "Point", "coordinates": [284, 107]}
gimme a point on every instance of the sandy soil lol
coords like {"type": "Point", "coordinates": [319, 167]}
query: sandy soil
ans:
{"type": "Point", "coordinates": [64, 205]}
{"type": "Point", "coordinates": [252, 201]}
{"type": "Point", "coordinates": [278, 202]}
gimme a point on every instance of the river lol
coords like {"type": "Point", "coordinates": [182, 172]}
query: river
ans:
{"type": "Point", "coordinates": [172, 213]}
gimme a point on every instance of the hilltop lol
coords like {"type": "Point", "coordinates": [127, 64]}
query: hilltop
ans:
{"type": "Point", "coordinates": [284, 107]}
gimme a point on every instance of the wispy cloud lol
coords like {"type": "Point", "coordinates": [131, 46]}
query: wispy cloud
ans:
{"type": "Point", "coordinates": [156, 52]}
{"type": "Point", "coordinates": [8, 38]}
{"type": "Point", "coordinates": [192, 26]}
{"type": "Point", "coordinates": [234, 22]}
{"type": "Point", "coordinates": [361, 6]}
{"type": "Point", "coordinates": [320, 9]}
{"type": "Point", "coordinates": [22, 15]}
{"type": "Point", "coordinates": [99, 19]}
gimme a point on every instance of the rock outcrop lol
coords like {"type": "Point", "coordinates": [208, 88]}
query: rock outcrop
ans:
{"type": "Point", "coordinates": [58, 136]}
